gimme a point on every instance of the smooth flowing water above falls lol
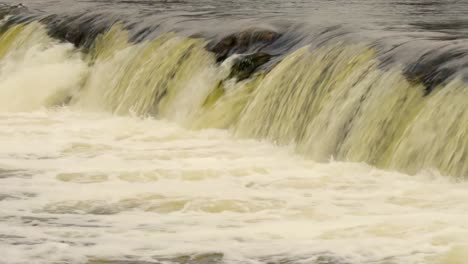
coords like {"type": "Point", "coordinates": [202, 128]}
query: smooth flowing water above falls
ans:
{"type": "Point", "coordinates": [234, 132]}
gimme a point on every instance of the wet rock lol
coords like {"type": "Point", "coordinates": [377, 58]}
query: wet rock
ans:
{"type": "Point", "coordinates": [242, 68]}
{"type": "Point", "coordinates": [245, 66]}
{"type": "Point", "coordinates": [252, 40]}
{"type": "Point", "coordinates": [434, 68]}
{"type": "Point", "coordinates": [79, 31]}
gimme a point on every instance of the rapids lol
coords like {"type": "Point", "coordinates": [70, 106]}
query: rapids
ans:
{"type": "Point", "coordinates": [153, 138]}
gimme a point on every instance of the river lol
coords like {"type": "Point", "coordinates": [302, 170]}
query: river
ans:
{"type": "Point", "coordinates": [279, 132]}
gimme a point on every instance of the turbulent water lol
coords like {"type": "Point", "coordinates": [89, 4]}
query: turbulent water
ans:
{"type": "Point", "coordinates": [234, 132]}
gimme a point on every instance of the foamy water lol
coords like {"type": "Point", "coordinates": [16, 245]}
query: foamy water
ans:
{"type": "Point", "coordinates": [85, 178]}
{"type": "Point", "coordinates": [91, 188]}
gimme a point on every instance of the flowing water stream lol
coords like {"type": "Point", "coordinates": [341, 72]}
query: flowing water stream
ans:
{"type": "Point", "coordinates": [234, 132]}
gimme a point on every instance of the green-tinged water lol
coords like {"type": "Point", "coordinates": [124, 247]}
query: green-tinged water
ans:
{"type": "Point", "coordinates": [333, 102]}
{"type": "Point", "coordinates": [150, 152]}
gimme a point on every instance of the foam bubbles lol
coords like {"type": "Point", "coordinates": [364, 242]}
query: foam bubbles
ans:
{"type": "Point", "coordinates": [103, 188]}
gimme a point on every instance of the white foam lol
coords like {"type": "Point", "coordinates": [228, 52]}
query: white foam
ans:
{"type": "Point", "coordinates": [93, 186]}
{"type": "Point", "coordinates": [40, 76]}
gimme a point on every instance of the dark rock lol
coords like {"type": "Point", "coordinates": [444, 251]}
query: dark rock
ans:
{"type": "Point", "coordinates": [78, 30]}
{"type": "Point", "coordinates": [251, 40]}
{"type": "Point", "coordinates": [434, 68]}
{"type": "Point", "coordinates": [244, 66]}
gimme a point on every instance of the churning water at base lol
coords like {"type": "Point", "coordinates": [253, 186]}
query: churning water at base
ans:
{"type": "Point", "coordinates": [95, 188]}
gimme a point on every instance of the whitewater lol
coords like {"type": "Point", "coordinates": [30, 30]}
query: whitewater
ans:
{"type": "Point", "coordinates": [123, 144]}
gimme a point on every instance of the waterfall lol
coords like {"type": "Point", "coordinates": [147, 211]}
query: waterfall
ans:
{"type": "Point", "coordinates": [333, 99]}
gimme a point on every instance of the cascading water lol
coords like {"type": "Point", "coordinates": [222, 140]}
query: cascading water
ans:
{"type": "Point", "coordinates": [148, 135]}
{"type": "Point", "coordinates": [332, 102]}
{"type": "Point", "coordinates": [30, 63]}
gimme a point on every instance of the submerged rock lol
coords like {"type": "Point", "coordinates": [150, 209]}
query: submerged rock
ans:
{"type": "Point", "coordinates": [242, 42]}
{"type": "Point", "coordinates": [434, 68]}
{"type": "Point", "coordinates": [242, 68]}
{"type": "Point", "coordinates": [245, 66]}
{"type": "Point", "coordinates": [79, 31]}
